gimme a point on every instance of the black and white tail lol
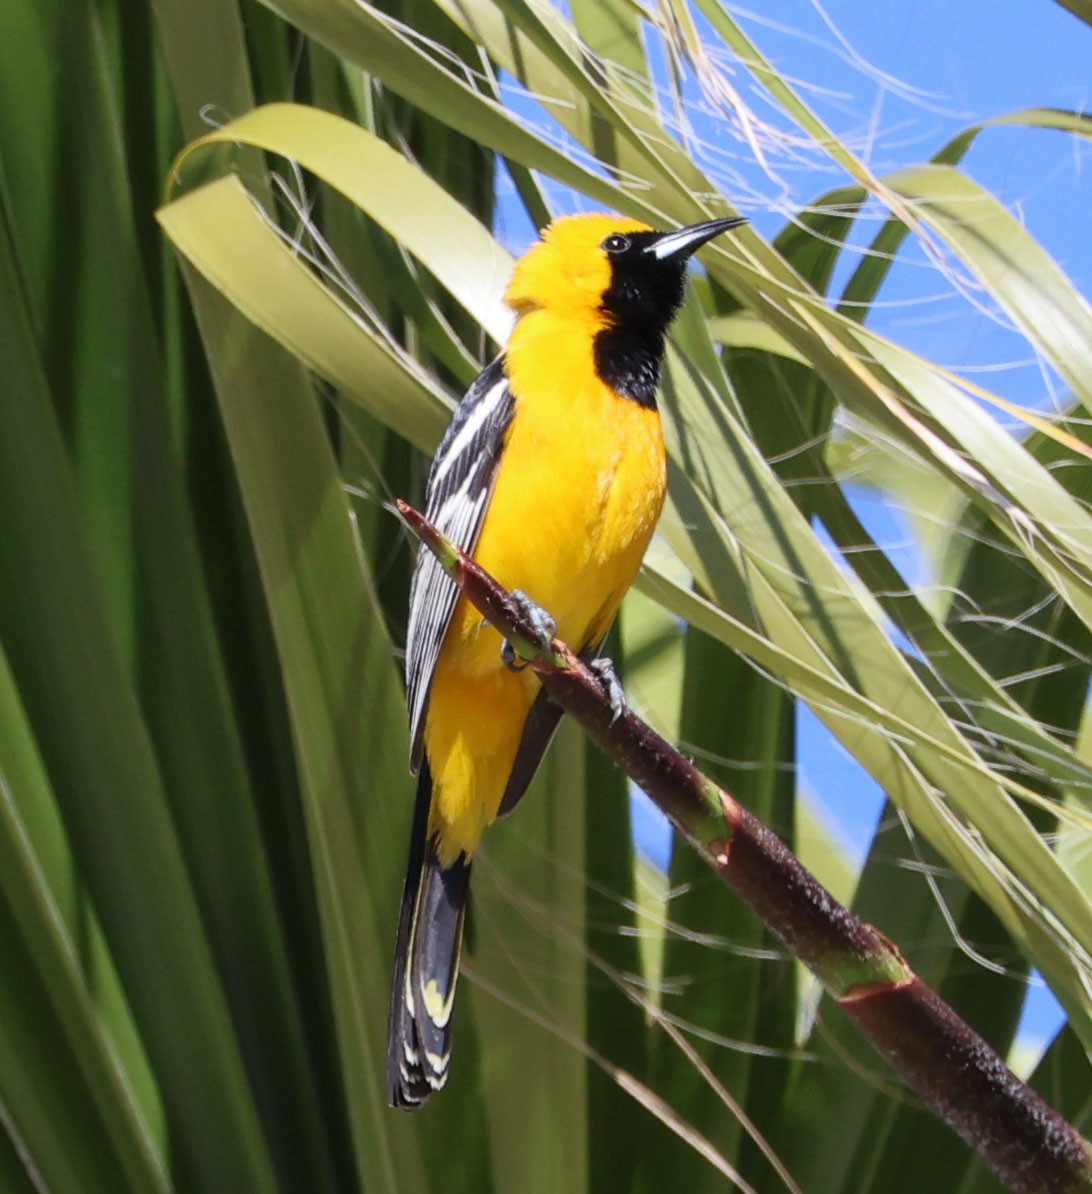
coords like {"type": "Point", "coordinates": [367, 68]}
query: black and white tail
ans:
{"type": "Point", "coordinates": [426, 964]}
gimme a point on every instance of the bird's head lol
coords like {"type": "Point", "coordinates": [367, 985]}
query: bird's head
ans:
{"type": "Point", "coordinates": [611, 270]}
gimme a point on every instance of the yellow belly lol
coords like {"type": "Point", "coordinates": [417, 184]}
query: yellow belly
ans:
{"type": "Point", "coordinates": [575, 504]}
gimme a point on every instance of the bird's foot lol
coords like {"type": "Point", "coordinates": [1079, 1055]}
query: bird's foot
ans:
{"type": "Point", "coordinates": [612, 686]}
{"type": "Point", "coordinates": [542, 624]}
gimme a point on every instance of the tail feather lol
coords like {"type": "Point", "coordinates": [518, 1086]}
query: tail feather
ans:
{"type": "Point", "coordinates": [426, 965]}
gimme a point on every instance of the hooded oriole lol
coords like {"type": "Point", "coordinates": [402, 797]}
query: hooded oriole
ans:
{"type": "Point", "coordinates": [552, 474]}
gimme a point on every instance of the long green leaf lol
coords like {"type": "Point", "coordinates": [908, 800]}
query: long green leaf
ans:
{"type": "Point", "coordinates": [68, 666]}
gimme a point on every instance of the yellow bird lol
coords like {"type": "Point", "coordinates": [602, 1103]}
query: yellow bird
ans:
{"type": "Point", "coordinates": [552, 475]}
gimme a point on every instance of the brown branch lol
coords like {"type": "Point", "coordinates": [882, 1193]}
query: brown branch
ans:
{"type": "Point", "coordinates": [1028, 1145]}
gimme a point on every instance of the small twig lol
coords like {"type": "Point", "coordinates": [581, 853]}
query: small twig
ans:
{"type": "Point", "coordinates": [1030, 1147]}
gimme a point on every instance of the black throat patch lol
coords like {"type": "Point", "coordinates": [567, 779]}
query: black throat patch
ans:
{"type": "Point", "coordinates": [642, 299]}
{"type": "Point", "coordinates": [628, 360]}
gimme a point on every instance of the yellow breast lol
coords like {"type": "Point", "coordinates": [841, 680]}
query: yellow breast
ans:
{"type": "Point", "coordinates": [576, 500]}
{"type": "Point", "coordinates": [581, 486]}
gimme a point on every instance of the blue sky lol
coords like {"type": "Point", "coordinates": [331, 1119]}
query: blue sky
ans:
{"type": "Point", "coordinates": [899, 80]}
{"type": "Point", "coordinates": [962, 62]}
{"type": "Point", "coordinates": [965, 61]}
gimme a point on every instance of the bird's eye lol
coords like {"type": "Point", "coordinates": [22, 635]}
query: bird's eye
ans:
{"type": "Point", "coordinates": [616, 243]}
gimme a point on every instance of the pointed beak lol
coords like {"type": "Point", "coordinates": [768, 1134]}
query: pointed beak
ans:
{"type": "Point", "coordinates": [681, 244]}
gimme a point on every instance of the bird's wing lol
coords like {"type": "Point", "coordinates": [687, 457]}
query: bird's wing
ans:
{"type": "Point", "coordinates": [459, 485]}
{"type": "Point", "coordinates": [538, 733]}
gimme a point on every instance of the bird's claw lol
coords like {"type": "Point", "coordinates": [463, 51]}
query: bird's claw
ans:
{"type": "Point", "coordinates": [612, 686]}
{"type": "Point", "coordinates": [543, 626]}
{"type": "Point", "coordinates": [510, 659]}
